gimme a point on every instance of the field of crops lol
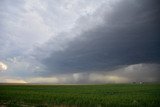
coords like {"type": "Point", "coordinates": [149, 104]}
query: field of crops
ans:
{"type": "Point", "coordinates": [112, 95]}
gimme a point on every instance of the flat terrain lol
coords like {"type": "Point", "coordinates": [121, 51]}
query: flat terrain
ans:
{"type": "Point", "coordinates": [112, 95]}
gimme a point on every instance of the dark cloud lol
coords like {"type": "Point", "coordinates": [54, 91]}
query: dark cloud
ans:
{"type": "Point", "coordinates": [129, 35]}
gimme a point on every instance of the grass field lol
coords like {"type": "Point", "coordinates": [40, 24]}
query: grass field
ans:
{"type": "Point", "coordinates": [109, 95]}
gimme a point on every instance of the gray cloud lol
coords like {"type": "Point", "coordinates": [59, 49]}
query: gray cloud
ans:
{"type": "Point", "coordinates": [26, 24]}
{"type": "Point", "coordinates": [132, 73]}
{"type": "Point", "coordinates": [129, 35]}
{"type": "Point", "coordinates": [124, 74]}
{"type": "Point", "coordinates": [71, 41]}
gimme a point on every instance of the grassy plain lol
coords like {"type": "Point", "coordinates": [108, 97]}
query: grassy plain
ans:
{"type": "Point", "coordinates": [108, 95]}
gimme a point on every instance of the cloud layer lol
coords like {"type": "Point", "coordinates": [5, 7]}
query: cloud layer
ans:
{"type": "Point", "coordinates": [79, 41]}
{"type": "Point", "coordinates": [128, 35]}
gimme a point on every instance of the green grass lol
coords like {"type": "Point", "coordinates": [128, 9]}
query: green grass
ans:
{"type": "Point", "coordinates": [109, 95]}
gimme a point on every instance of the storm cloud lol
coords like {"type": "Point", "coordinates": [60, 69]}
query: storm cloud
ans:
{"type": "Point", "coordinates": [80, 41]}
{"type": "Point", "coordinates": [128, 35]}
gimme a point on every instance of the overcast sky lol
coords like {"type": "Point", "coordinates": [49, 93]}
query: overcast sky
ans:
{"type": "Point", "coordinates": [79, 41]}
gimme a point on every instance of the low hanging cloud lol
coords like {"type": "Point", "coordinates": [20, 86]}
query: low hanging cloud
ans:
{"type": "Point", "coordinates": [128, 35]}
{"type": "Point", "coordinates": [125, 74]}
{"type": "Point", "coordinates": [80, 41]}
{"type": "Point", "coordinates": [3, 66]}
{"type": "Point", "coordinates": [132, 73]}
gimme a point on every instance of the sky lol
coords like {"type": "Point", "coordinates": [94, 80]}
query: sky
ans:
{"type": "Point", "coordinates": [79, 41]}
